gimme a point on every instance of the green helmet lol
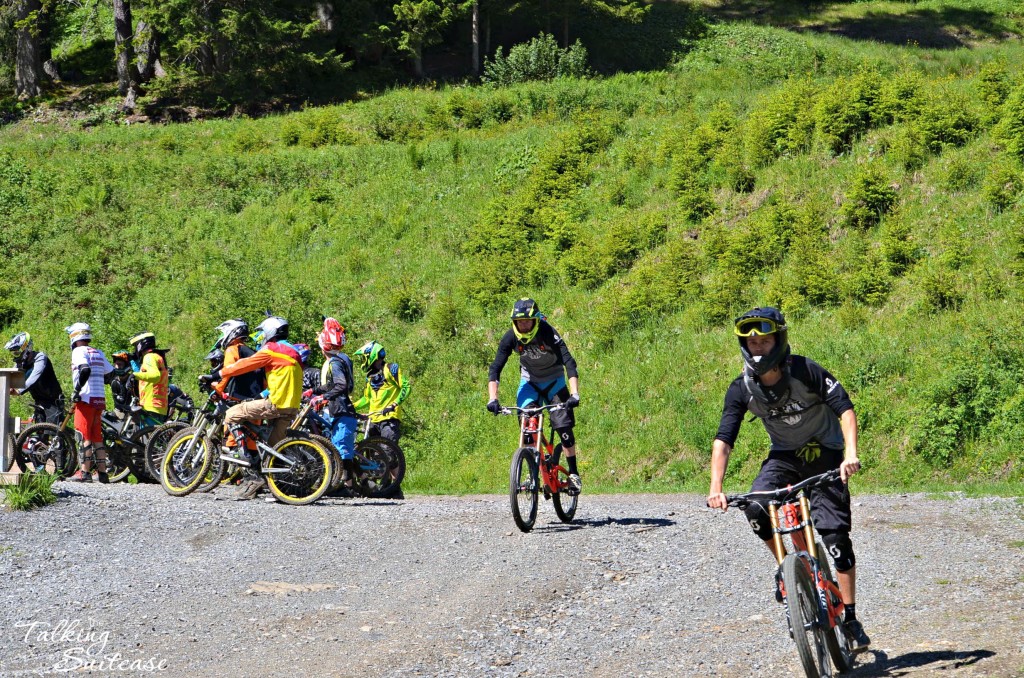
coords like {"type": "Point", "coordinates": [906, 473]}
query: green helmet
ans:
{"type": "Point", "coordinates": [526, 309]}
{"type": "Point", "coordinates": [369, 354]}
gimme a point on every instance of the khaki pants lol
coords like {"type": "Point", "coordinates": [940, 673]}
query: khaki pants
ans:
{"type": "Point", "coordinates": [255, 410]}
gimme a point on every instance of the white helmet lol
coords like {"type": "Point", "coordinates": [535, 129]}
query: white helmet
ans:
{"type": "Point", "coordinates": [231, 330]}
{"type": "Point", "coordinates": [274, 328]}
{"type": "Point", "coordinates": [79, 332]}
{"type": "Point", "coordinates": [21, 343]}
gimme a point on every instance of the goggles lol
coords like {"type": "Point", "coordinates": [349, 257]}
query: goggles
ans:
{"type": "Point", "coordinates": [756, 327]}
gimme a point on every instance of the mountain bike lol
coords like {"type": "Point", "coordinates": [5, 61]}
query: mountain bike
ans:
{"type": "Point", "coordinates": [297, 469]}
{"type": "Point", "coordinates": [535, 468]}
{"type": "Point", "coordinates": [814, 605]}
{"type": "Point", "coordinates": [380, 463]}
{"type": "Point", "coordinates": [47, 447]}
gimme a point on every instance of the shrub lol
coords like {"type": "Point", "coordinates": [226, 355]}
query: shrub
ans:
{"type": "Point", "coordinates": [765, 53]}
{"type": "Point", "coordinates": [247, 140]}
{"type": "Point", "coordinates": [955, 410]}
{"type": "Point", "coordinates": [908, 148]}
{"type": "Point", "coordinates": [33, 490]}
{"type": "Point", "coordinates": [539, 59]}
{"type": "Point", "coordinates": [781, 124]}
{"type": "Point", "coordinates": [960, 174]}
{"type": "Point", "coordinates": [1003, 184]}
{"type": "Point", "coordinates": [943, 289]}
{"type": "Point", "coordinates": [868, 282]}
{"type": "Point", "coordinates": [846, 109]}
{"type": "Point", "coordinates": [406, 302]}
{"type": "Point", "coordinates": [899, 99]}
{"type": "Point", "coordinates": [1010, 129]}
{"type": "Point", "coordinates": [946, 122]}
{"type": "Point", "coordinates": [898, 247]}
{"type": "Point", "coordinates": [993, 87]}
{"type": "Point", "coordinates": [869, 199]}
{"type": "Point", "coordinates": [444, 319]}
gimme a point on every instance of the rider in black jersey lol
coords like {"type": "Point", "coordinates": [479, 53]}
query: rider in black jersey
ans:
{"type": "Point", "coordinates": [813, 429]}
{"type": "Point", "coordinates": [40, 379]}
{"type": "Point", "coordinates": [544, 362]}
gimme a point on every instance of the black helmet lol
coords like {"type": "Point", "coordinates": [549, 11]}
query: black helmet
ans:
{"type": "Point", "coordinates": [231, 330]}
{"type": "Point", "coordinates": [215, 356]}
{"type": "Point", "coordinates": [526, 309]}
{"type": "Point", "coordinates": [143, 342]}
{"type": "Point", "coordinates": [762, 322]}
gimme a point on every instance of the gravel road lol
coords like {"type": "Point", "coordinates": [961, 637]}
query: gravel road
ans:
{"type": "Point", "coordinates": [125, 580]}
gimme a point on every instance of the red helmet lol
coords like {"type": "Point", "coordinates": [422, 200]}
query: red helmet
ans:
{"type": "Point", "coordinates": [333, 336]}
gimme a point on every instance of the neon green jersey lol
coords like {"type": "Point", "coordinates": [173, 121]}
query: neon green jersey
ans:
{"type": "Point", "coordinates": [393, 391]}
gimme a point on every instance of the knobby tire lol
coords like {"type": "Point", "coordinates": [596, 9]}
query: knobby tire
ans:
{"type": "Point", "coordinates": [523, 486]}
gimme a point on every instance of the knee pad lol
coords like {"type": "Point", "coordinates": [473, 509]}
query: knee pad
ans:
{"type": "Point", "coordinates": [566, 437]}
{"type": "Point", "coordinates": [759, 521]}
{"type": "Point", "coordinates": [840, 547]}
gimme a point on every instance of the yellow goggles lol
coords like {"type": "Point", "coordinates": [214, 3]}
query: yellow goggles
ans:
{"type": "Point", "coordinates": [755, 327]}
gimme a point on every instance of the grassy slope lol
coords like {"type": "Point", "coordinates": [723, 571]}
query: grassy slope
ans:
{"type": "Point", "coordinates": [173, 229]}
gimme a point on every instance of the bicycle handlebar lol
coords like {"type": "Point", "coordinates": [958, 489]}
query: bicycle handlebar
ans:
{"type": "Point", "coordinates": [744, 500]}
{"type": "Point", "coordinates": [555, 407]}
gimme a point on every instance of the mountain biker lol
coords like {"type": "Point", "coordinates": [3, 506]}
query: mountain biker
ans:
{"type": "Point", "coordinates": [544, 362]}
{"type": "Point", "coordinates": [150, 370]}
{"type": "Point", "coordinates": [40, 379]}
{"type": "Point", "coordinates": [282, 366]}
{"type": "Point", "coordinates": [813, 429]}
{"type": "Point", "coordinates": [216, 356]}
{"type": "Point", "coordinates": [122, 382]}
{"type": "Point", "coordinates": [385, 390]}
{"type": "Point", "coordinates": [336, 384]}
{"type": "Point", "coordinates": [310, 374]}
{"type": "Point", "coordinates": [89, 369]}
{"type": "Point", "coordinates": [234, 334]}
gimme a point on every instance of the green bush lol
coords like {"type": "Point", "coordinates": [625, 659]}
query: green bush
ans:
{"type": "Point", "coordinates": [846, 109]}
{"type": "Point", "coordinates": [943, 289]}
{"type": "Point", "coordinates": [955, 410]}
{"type": "Point", "coordinates": [539, 59]}
{"type": "Point", "coordinates": [444, 319]}
{"type": "Point", "coordinates": [868, 282]}
{"type": "Point", "coordinates": [33, 490]}
{"type": "Point", "coordinates": [899, 249]}
{"type": "Point", "coordinates": [908, 148]}
{"type": "Point", "coordinates": [960, 174]}
{"type": "Point", "coordinates": [1003, 184]}
{"type": "Point", "coordinates": [781, 124]}
{"type": "Point", "coordinates": [406, 302]}
{"type": "Point", "coordinates": [900, 98]}
{"type": "Point", "coordinates": [765, 53]}
{"type": "Point", "coordinates": [869, 199]}
{"type": "Point", "coordinates": [946, 121]}
{"type": "Point", "coordinates": [1010, 129]}
{"type": "Point", "coordinates": [247, 140]}
{"type": "Point", "coordinates": [613, 252]}
{"type": "Point", "coordinates": [993, 86]}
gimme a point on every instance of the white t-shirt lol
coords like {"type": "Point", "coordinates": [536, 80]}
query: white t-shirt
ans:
{"type": "Point", "coordinates": [87, 356]}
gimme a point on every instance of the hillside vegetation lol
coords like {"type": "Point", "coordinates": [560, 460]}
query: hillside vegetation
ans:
{"type": "Point", "coordinates": [872, 191]}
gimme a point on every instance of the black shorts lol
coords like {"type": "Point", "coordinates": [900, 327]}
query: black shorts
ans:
{"type": "Point", "coordinates": [830, 504]}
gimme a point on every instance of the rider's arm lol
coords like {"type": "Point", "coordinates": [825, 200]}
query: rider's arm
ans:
{"type": "Point", "coordinates": [720, 451]}
{"type": "Point", "coordinates": [565, 356]}
{"type": "Point", "coordinates": [82, 378]}
{"type": "Point", "coordinates": [505, 348]}
{"type": "Point", "coordinates": [341, 381]}
{"type": "Point", "coordinates": [38, 366]}
{"type": "Point", "coordinates": [149, 373]}
{"type": "Point", "coordinates": [365, 400]}
{"type": "Point", "coordinates": [851, 462]}
{"type": "Point", "coordinates": [403, 383]}
{"type": "Point", "coordinates": [733, 409]}
{"type": "Point", "coordinates": [259, 359]}
{"type": "Point", "coordinates": [821, 381]}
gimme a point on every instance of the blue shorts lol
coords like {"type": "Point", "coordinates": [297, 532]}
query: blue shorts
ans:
{"type": "Point", "coordinates": [547, 393]}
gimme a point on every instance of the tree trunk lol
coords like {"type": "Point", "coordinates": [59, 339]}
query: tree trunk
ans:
{"type": "Point", "coordinates": [148, 61]}
{"type": "Point", "coordinates": [124, 53]}
{"type": "Point", "coordinates": [487, 35]}
{"type": "Point", "coordinates": [46, 45]}
{"type": "Point", "coordinates": [565, 24]}
{"type": "Point", "coordinates": [28, 64]}
{"type": "Point", "coordinates": [325, 15]}
{"type": "Point", "coordinates": [476, 37]}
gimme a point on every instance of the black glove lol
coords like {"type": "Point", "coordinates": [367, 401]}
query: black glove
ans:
{"type": "Point", "coordinates": [573, 401]}
{"type": "Point", "coordinates": [77, 397]}
{"type": "Point", "coordinates": [388, 410]}
{"type": "Point", "coordinates": [494, 407]}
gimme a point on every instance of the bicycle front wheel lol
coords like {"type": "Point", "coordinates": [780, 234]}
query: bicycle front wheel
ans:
{"type": "Point", "coordinates": [186, 463]}
{"type": "Point", "coordinates": [802, 605]}
{"type": "Point", "coordinates": [118, 463]}
{"type": "Point", "coordinates": [565, 503]}
{"type": "Point", "coordinates": [301, 474]}
{"type": "Point", "coordinates": [523, 487]}
{"type": "Point", "coordinates": [156, 446]}
{"type": "Point", "coordinates": [380, 467]}
{"type": "Point", "coordinates": [45, 447]}
{"type": "Point", "coordinates": [835, 638]}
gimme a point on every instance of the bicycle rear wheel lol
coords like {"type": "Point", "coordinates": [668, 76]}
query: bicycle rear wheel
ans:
{"type": "Point", "coordinates": [118, 463]}
{"type": "Point", "coordinates": [835, 638]}
{"type": "Point", "coordinates": [523, 486]}
{"type": "Point", "coordinates": [304, 477]}
{"type": "Point", "coordinates": [156, 446]}
{"type": "Point", "coordinates": [45, 447]}
{"type": "Point", "coordinates": [802, 605]}
{"type": "Point", "coordinates": [380, 467]}
{"type": "Point", "coordinates": [186, 463]}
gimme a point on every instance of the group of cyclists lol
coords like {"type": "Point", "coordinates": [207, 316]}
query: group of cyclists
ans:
{"type": "Point", "coordinates": [806, 412]}
{"type": "Point", "coordinates": [267, 382]}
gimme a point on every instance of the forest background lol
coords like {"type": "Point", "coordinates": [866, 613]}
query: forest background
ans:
{"type": "Point", "coordinates": [646, 171]}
